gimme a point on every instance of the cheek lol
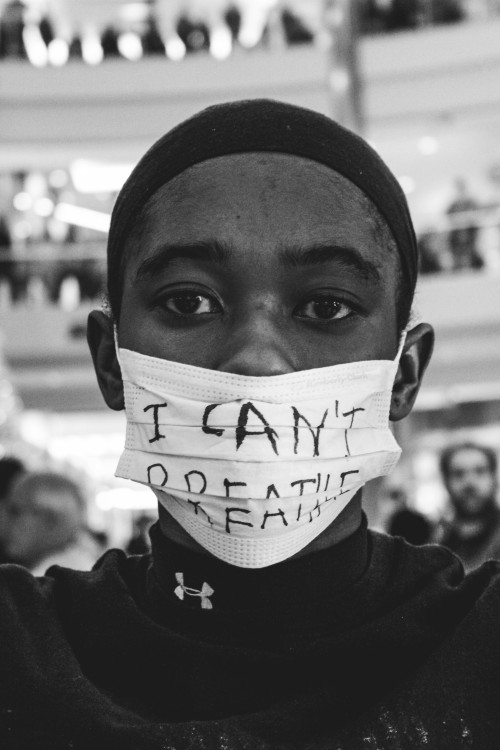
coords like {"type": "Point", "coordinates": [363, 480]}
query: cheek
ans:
{"type": "Point", "coordinates": [454, 486]}
{"type": "Point", "coordinates": [20, 537]}
{"type": "Point", "coordinates": [488, 486]}
{"type": "Point", "coordinates": [25, 528]}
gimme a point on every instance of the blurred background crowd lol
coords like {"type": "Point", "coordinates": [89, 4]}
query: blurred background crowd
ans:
{"type": "Point", "coordinates": [87, 85]}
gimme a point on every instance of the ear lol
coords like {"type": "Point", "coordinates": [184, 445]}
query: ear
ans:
{"type": "Point", "coordinates": [102, 347]}
{"type": "Point", "coordinates": [412, 365]}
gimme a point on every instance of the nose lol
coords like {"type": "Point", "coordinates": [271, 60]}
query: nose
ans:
{"type": "Point", "coordinates": [257, 347]}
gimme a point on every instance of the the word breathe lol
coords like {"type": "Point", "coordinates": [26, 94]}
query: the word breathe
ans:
{"type": "Point", "coordinates": [301, 501]}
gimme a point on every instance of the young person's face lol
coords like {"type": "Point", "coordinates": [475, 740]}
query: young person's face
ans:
{"type": "Point", "coordinates": [259, 264]}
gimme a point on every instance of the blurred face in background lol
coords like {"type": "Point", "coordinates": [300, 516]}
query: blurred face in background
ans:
{"type": "Point", "coordinates": [39, 522]}
{"type": "Point", "coordinates": [470, 482]}
{"type": "Point", "coordinates": [10, 470]}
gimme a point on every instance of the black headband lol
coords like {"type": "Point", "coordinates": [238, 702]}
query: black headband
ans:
{"type": "Point", "coordinates": [259, 125]}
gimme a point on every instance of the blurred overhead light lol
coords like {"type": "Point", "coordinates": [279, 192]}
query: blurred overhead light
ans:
{"type": "Point", "coordinates": [43, 207]}
{"type": "Point", "coordinates": [35, 184]}
{"type": "Point", "coordinates": [130, 46]}
{"type": "Point", "coordinates": [175, 48]}
{"type": "Point", "coordinates": [22, 230]}
{"type": "Point", "coordinates": [253, 22]}
{"type": "Point", "coordinates": [58, 52]}
{"type": "Point", "coordinates": [407, 184]}
{"type": "Point", "coordinates": [339, 80]}
{"type": "Point", "coordinates": [92, 51]}
{"type": "Point", "coordinates": [221, 43]}
{"type": "Point", "coordinates": [57, 230]}
{"type": "Point", "coordinates": [35, 46]}
{"type": "Point", "coordinates": [82, 217]}
{"type": "Point", "coordinates": [22, 201]}
{"type": "Point", "coordinates": [248, 37]}
{"type": "Point", "coordinates": [134, 12]}
{"type": "Point", "coordinates": [58, 178]}
{"type": "Point", "coordinates": [95, 177]}
{"type": "Point", "coordinates": [255, 16]}
{"type": "Point", "coordinates": [126, 499]}
{"type": "Point", "coordinates": [428, 145]}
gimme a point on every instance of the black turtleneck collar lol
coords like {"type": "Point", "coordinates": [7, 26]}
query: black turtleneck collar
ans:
{"type": "Point", "coordinates": [205, 595]}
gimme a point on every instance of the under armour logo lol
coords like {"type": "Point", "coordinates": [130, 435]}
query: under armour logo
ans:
{"type": "Point", "coordinates": [205, 592]}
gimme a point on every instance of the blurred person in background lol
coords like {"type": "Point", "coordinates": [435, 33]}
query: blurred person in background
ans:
{"type": "Point", "coordinates": [11, 29]}
{"type": "Point", "coordinates": [434, 252]}
{"type": "Point", "coordinates": [470, 475]}
{"type": "Point", "coordinates": [7, 265]}
{"type": "Point", "coordinates": [139, 543]}
{"type": "Point", "coordinates": [261, 269]}
{"type": "Point", "coordinates": [46, 524]}
{"type": "Point", "coordinates": [463, 236]}
{"type": "Point", "coordinates": [10, 469]}
{"type": "Point", "coordinates": [407, 522]}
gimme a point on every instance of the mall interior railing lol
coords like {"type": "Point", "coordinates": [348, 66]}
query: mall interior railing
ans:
{"type": "Point", "coordinates": [153, 27]}
{"type": "Point", "coordinates": [68, 274]}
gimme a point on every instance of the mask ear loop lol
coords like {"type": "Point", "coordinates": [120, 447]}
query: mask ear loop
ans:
{"type": "Point", "coordinates": [415, 319]}
{"type": "Point", "coordinates": [117, 346]}
{"type": "Point", "coordinates": [402, 340]}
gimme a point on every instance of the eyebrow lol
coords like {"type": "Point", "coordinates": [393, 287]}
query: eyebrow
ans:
{"type": "Point", "coordinates": [214, 252]}
{"type": "Point", "coordinates": [322, 253]}
{"type": "Point", "coordinates": [211, 252]}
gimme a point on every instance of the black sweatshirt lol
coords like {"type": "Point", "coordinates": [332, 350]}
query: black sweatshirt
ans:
{"type": "Point", "coordinates": [371, 644]}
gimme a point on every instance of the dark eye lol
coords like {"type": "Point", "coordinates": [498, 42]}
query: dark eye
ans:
{"type": "Point", "coordinates": [324, 308]}
{"type": "Point", "coordinates": [188, 303]}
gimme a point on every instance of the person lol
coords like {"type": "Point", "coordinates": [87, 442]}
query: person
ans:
{"type": "Point", "coordinates": [463, 237]}
{"type": "Point", "coordinates": [139, 541]}
{"type": "Point", "coordinates": [406, 521]}
{"type": "Point", "coordinates": [11, 467]}
{"type": "Point", "coordinates": [47, 524]}
{"type": "Point", "coordinates": [261, 269]}
{"type": "Point", "coordinates": [433, 257]}
{"type": "Point", "coordinates": [11, 30]}
{"type": "Point", "coordinates": [470, 475]}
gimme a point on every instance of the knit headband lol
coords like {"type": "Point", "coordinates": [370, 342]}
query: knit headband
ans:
{"type": "Point", "coordinates": [260, 125]}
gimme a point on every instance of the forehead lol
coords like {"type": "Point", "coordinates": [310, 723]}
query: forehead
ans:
{"type": "Point", "coordinates": [264, 199]}
{"type": "Point", "coordinates": [469, 458]}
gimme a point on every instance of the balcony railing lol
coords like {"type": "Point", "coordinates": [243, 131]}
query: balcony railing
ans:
{"type": "Point", "coordinates": [116, 28]}
{"type": "Point", "coordinates": [66, 275]}
{"type": "Point", "coordinates": [43, 330]}
{"type": "Point", "coordinates": [49, 274]}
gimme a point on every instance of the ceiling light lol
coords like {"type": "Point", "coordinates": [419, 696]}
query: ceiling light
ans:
{"type": "Point", "coordinates": [92, 51]}
{"type": "Point", "coordinates": [35, 46]}
{"type": "Point", "coordinates": [407, 184]}
{"type": "Point", "coordinates": [58, 52]}
{"type": "Point", "coordinates": [221, 43]}
{"type": "Point", "coordinates": [22, 201]}
{"type": "Point", "coordinates": [125, 499]}
{"type": "Point", "coordinates": [58, 178]}
{"type": "Point", "coordinates": [82, 217]}
{"type": "Point", "coordinates": [130, 46]}
{"type": "Point", "coordinates": [428, 145]}
{"type": "Point", "coordinates": [97, 177]}
{"type": "Point", "coordinates": [340, 80]}
{"type": "Point", "coordinates": [43, 207]}
{"type": "Point", "coordinates": [175, 48]}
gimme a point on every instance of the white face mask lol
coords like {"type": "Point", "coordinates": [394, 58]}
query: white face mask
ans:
{"type": "Point", "coordinates": [254, 468]}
